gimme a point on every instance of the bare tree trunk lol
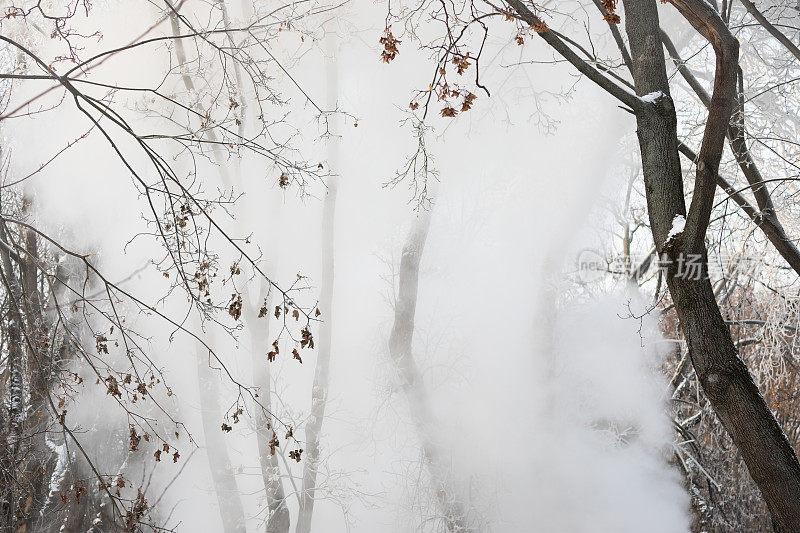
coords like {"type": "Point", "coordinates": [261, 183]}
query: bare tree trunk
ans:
{"type": "Point", "coordinates": [725, 379]}
{"type": "Point", "coordinates": [400, 349]}
{"type": "Point", "coordinates": [219, 462]}
{"type": "Point", "coordinates": [279, 519]}
{"type": "Point", "coordinates": [230, 503]}
{"type": "Point", "coordinates": [11, 473]}
{"type": "Point", "coordinates": [319, 391]}
{"type": "Point", "coordinates": [180, 52]}
{"type": "Point", "coordinates": [40, 459]}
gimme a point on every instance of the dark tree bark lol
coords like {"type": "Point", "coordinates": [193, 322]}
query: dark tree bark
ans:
{"type": "Point", "coordinates": [765, 216]}
{"type": "Point", "coordinates": [771, 28]}
{"type": "Point", "coordinates": [725, 379]}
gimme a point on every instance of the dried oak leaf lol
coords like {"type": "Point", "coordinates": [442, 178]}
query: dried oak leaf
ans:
{"type": "Point", "coordinates": [390, 49]}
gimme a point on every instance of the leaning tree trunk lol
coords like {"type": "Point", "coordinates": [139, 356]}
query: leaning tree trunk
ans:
{"type": "Point", "coordinates": [319, 391]}
{"type": "Point", "coordinates": [400, 343]}
{"type": "Point", "coordinates": [278, 520]}
{"type": "Point", "coordinates": [724, 377]}
{"type": "Point", "coordinates": [765, 217]}
{"type": "Point", "coordinates": [230, 503]}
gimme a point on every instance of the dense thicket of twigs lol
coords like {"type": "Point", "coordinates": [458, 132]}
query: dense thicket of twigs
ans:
{"type": "Point", "coordinates": [67, 332]}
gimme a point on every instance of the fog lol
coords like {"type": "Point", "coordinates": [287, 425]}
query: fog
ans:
{"type": "Point", "coordinates": [548, 399]}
